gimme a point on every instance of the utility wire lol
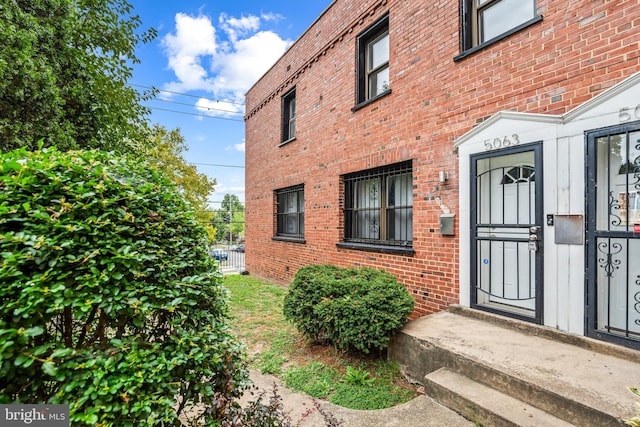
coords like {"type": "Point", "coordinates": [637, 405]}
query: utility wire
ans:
{"type": "Point", "coordinates": [197, 106]}
{"type": "Point", "coordinates": [195, 114]}
{"type": "Point", "coordinates": [185, 94]}
{"type": "Point", "coordinates": [220, 166]}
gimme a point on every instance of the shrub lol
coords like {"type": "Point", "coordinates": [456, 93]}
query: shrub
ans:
{"type": "Point", "coordinates": [353, 309]}
{"type": "Point", "coordinates": [108, 299]}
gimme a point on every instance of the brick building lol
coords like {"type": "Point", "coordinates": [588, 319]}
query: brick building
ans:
{"type": "Point", "coordinates": [483, 152]}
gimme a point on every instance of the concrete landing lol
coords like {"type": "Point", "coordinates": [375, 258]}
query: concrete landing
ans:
{"type": "Point", "coordinates": [536, 371]}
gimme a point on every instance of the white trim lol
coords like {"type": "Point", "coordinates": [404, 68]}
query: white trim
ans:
{"type": "Point", "coordinates": [552, 118]}
{"type": "Point", "coordinates": [613, 91]}
{"type": "Point", "coordinates": [508, 115]}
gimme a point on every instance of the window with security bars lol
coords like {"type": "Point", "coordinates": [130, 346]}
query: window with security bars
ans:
{"type": "Point", "coordinates": [379, 206]}
{"type": "Point", "coordinates": [290, 212]}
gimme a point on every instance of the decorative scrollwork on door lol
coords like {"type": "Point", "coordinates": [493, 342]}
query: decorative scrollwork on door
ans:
{"type": "Point", "coordinates": [614, 204]}
{"type": "Point", "coordinates": [636, 297]}
{"type": "Point", "coordinates": [608, 263]}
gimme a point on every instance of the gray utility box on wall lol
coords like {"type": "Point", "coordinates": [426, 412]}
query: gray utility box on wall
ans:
{"type": "Point", "coordinates": [569, 229]}
{"type": "Point", "coordinates": [446, 224]}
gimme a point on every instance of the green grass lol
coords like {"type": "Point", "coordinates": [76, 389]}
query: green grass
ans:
{"type": "Point", "coordinates": [377, 396]}
{"type": "Point", "coordinates": [271, 361]}
{"type": "Point", "coordinates": [315, 378]}
{"type": "Point", "coordinates": [275, 347]}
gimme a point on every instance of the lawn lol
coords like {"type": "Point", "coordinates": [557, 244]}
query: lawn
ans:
{"type": "Point", "coordinates": [275, 347]}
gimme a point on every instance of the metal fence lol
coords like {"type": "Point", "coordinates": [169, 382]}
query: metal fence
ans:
{"type": "Point", "coordinates": [230, 257]}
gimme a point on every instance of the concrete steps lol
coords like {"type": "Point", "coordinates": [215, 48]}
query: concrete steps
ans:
{"type": "Point", "coordinates": [510, 373]}
{"type": "Point", "coordinates": [483, 404]}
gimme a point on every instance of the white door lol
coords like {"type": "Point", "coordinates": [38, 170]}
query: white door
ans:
{"type": "Point", "coordinates": [507, 221]}
{"type": "Point", "coordinates": [614, 230]}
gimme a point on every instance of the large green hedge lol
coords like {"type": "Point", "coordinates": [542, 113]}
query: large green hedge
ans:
{"type": "Point", "coordinates": [351, 308]}
{"type": "Point", "coordinates": [108, 299]}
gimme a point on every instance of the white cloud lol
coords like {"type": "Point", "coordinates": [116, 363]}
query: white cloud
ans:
{"type": "Point", "coordinates": [226, 61]}
{"type": "Point", "coordinates": [272, 17]}
{"type": "Point", "coordinates": [236, 27]}
{"type": "Point", "coordinates": [194, 40]}
{"type": "Point", "coordinates": [238, 70]}
{"type": "Point", "coordinates": [236, 147]}
{"type": "Point", "coordinates": [222, 189]}
{"type": "Point", "coordinates": [220, 108]}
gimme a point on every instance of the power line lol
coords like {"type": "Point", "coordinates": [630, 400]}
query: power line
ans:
{"type": "Point", "coordinates": [197, 106]}
{"type": "Point", "coordinates": [185, 94]}
{"type": "Point", "coordinates": [222, 201]}
{"type": "Point", "coordinates": [220, 166]}
{"type": "Point", "coordinates": [195, 114]}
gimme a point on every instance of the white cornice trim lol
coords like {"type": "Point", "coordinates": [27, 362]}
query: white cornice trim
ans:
{"type": "Point", "coordinates": [568, 117]}
{"type": "Point", "coordinates": [508, 115]}
{"type": "Point", "coordinates": [613, 91]}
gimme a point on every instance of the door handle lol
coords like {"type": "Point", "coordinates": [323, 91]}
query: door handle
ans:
{"type": "Point", "coordinates": [533, 236]}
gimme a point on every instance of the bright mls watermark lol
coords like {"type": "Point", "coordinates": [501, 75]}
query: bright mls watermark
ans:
{"type": "Point", "coordinates": [34, 415]}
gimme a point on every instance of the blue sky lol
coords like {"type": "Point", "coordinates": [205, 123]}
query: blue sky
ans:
{"type": "Point", "coordinates": [206, 56]}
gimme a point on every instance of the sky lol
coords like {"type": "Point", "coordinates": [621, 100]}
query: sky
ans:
{"type": "Point", "coordinates": [207, 55]}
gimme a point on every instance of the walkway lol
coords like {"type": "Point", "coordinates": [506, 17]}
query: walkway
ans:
{"type": "Point", "coordinates": [420, 412]}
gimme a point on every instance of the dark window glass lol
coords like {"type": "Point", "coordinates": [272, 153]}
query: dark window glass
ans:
{"type": "Point", "coordinates": [290, 212]}
{"type": "Point", "coordinates": [379, 206]}
{"type": "Point", "coordinates": [373, 61]}
{"type": "Point", "coordinates": [484, 20]}
{"type": "Point", "coordinates": [289, 116]}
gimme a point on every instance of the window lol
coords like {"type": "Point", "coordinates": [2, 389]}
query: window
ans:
{"type": "Point", "coordinates": [630, 167]}
{"type": "Point", "coordinates": [519, 174]}
{"type": "Point", "coordinates": [289, 116]}
{"type": "Point", "coordinates": [373, 61]}
{"type": "Point", "coordinates": [290, 212]}
{"type": "Point", "coordinates": [485, 20]}
{"type": "Point", "coordinates": [379, 206]}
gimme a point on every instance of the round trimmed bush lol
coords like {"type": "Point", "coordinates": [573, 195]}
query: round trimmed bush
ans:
{"type": "Point", "coordinates": [109, 301]}
{"type": "Point", "coordinates": [352, 309]}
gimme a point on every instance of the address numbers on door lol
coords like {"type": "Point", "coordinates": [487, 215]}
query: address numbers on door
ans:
{"type": "Point", "coordinates": [502, 142]}
{"type": "Point", "coordinates": [627, 113]}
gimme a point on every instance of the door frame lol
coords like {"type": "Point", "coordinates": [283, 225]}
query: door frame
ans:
{"type": "Point", "coordinates": [536, 147]}
{"type": "Point", "coordinates": [591, 234]}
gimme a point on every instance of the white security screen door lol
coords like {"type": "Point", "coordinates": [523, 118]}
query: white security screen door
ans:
{"type": "Point", "coordinates": [613, 233]}
{"type": "Point", "coordinates": [506, 219]}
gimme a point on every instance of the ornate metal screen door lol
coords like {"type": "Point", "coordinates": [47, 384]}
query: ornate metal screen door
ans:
{"type": "Point", "coordinates": [613, 234]}
{"type": "Point", "coordinates": [506, 244]}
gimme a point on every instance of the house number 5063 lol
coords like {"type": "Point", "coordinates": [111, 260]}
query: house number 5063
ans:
{"type": "Point", "coordinates": [506, 141]}
{"type": "Point", "coordinates": [627, 113]}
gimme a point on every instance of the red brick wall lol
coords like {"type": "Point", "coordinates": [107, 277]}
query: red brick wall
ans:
{"type": "Point", "coordinates": [580, 48]}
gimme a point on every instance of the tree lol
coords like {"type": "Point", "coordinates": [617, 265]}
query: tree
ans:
{"type": "Point", "coordinates": [226, 216]}
{"type": "Point", "coordinates": [64, 67]}
{"type": "Point", "coordinates": [237, 224]}
{"type": "Point", "coordinates": [166, 152]}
